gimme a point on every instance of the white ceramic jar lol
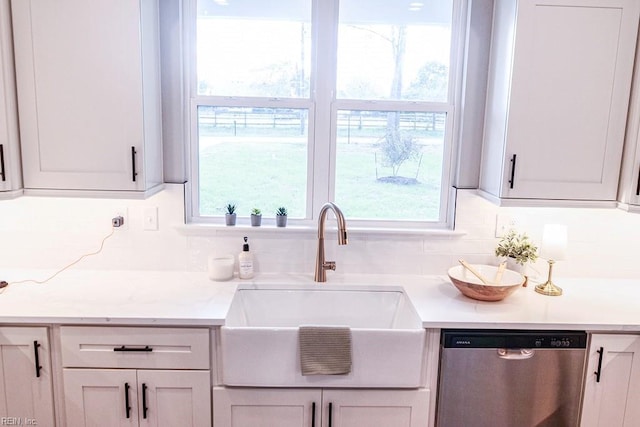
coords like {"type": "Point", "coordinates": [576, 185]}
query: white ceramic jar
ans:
{"type": "Point", "coordinates": [220, 267]}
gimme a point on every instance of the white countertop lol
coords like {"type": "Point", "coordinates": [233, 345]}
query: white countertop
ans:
{"type": "Point", "coordinates": [115, 297]}
{"type": "Point", "coordinates": [190, 299]}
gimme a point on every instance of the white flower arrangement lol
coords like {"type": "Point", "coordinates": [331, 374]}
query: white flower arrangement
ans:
{"type": "Point", "coordinates": [517, 246]}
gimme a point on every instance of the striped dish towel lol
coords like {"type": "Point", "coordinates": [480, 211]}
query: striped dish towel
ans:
{"type": "Point", "coordinates": [325, 350]}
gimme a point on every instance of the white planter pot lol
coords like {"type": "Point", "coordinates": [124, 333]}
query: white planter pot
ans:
{"type": "Point", "coordinates": [520, 268]}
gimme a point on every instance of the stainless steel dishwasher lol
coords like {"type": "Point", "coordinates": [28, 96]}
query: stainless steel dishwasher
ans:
{"type": "Point", "coordinates": [510, 378]}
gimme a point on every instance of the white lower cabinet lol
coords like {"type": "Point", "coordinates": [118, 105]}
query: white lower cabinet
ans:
{"type": "Point", "coordinates": [612, 386]}
{"type": "Point", "coordinates": [127, 376]}
{"type": "Point", "coordinates": [376, 408]}
{"type": "Point", "coordinates": [26, 394]}
{"type": "Point", "coordinates": [126, 397]}
{"type": "Point", "coordinates": [262, 407]}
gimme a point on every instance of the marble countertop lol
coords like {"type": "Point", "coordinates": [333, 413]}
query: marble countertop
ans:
{"type": "Point", "coordinates": [115, 297]}
{"type": "Point", "coordinates": [191, 299]}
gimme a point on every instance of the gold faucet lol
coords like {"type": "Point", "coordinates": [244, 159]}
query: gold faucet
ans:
{"type": "Point", "coordinates": [321, 264]}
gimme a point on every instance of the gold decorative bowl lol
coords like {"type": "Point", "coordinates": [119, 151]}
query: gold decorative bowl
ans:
{"type": "Point", "coordinates": [472, 287]}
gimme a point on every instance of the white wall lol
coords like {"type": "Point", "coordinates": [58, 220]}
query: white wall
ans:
{"type": "Point", "coordinates": [49, 233]}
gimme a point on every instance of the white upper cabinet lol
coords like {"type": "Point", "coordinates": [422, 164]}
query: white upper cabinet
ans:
{"type": "Point", "coordinates": [10, 169]}
{"type": "Point", "coordinates": [89, 94]}
{"type": "Point", "coordinates": [629, 192]}
{"type": "Point", "coordinates": [558, 92]}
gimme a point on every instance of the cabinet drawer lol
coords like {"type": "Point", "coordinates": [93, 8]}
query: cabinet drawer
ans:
{"type": "Point", "coordinates": [123, 347]}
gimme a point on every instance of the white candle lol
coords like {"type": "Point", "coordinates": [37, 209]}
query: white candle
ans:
{"type": "Point", "coordinates": [554, 242]}
{"type": "Point", "coordinates": [221, 267]}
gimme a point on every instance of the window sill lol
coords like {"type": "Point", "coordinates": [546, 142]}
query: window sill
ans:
{"type": "Point", "coordinates": [199, 229]}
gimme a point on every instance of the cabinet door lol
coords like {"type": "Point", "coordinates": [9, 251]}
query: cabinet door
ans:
{"type": "Point", "coordinates": [375, 408]}
{"type": "Point", "coordinates": [25, 390]}
{"type": "Point", "coordinates": [100, 397]}
{"type": "Point", "coordinates": [10, 171]}
{"type": "Point", "coordinates": [612, 399]}
{"type": "Point", "coordinates": [629, 191]}
{"type": "Point", "coordinates": [174, 398]}
{"type": "Point", "coordinates": [266, 407]}
{"type": "Point", "coordinates": [82, 92]}
{"type": "Point", "coordinates": [571, 77]}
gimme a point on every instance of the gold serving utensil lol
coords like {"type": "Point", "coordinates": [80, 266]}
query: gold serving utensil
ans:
{"type": "Point", "coordinates": [500, 272]}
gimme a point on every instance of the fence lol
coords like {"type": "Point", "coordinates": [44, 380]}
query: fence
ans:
{"type": "Point", "coordinates": [297, 120]}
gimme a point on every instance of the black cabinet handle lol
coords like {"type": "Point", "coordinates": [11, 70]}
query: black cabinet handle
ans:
{"type": "Point", "coordinates": [36, 345]}
{"type": "Point", "coordinates": [127, 407]}
{"type": "Point", "coordinates": [313, 414]}
{"type": "Point", "coordinates": [599, 371]}
{"type": "Point", "coordinates": [513, 170]}
{"type": "Point", "coordinates": [637, 185]}
{"type": "Point", "coordinates": [133, 164]}
{"type": "Point", "coordinates": [330, 413]}
{"type": "Point", "coordinates": [2, 174]}
{"type": "Point", "coordinates": [144, 401]}
{"type": "Point", "coordinates": [124, 348]}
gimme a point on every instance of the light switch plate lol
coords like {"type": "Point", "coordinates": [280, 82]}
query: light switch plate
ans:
{"type": "Point", "coordinates": [505, 222]}
{"type": "Point", "coordinates": [150, 219]}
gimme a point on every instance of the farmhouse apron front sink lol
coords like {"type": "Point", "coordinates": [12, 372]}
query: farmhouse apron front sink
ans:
{"type": "Point", "coordinates": [259, 342]}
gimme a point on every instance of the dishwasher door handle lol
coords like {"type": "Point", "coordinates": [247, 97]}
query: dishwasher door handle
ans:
{"type": "Point", "coordinates": [515, 354]}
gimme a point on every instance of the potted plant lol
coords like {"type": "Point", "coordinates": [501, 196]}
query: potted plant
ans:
{"type": "Point", "coordinates": [517, 250]}
{"type": "Point", "coordinates": [256, 217]}
{"type": "Point", "coordinates": [230, 215]}
{"type": "Point", "coordinates": [281, 216]}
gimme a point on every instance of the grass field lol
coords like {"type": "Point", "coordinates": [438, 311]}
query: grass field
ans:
{"type": "Point", "coordinates": [268, 174]}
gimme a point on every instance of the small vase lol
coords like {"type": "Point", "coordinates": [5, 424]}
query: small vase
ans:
{"type": "Point", "coordinates": [230, 219]}
{"type": "Point", "coordinates": [281, 220]}
{"type": "Point", "coordinates": [256, 220]}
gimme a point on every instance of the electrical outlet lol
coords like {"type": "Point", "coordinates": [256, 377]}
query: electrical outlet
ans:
{"type": "Point", "coordinates": [505, 222]}
{"type": "Point", "coordinates": [122, 213]}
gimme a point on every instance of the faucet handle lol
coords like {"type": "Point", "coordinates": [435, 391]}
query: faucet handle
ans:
{"type": "Point", "coordinates": [329, 265]}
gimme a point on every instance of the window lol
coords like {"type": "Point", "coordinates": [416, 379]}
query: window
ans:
{"type": "Point", "coordinates": [297, 102]}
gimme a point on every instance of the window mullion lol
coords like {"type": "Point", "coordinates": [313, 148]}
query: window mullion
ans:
{"type": "Point", "coordinates": [325, 24]}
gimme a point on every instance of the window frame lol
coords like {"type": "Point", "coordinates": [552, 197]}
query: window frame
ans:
{"type": "Point", "coordinates": [323, 106]}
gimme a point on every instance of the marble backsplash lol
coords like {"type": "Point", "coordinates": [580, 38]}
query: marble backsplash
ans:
{"type": "Point", "coordinates": [49, 233]}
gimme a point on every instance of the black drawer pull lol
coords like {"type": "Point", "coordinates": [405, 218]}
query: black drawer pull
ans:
{"type": "Point", "coordinates": [36, 345]}
{"type": "Point", "coordinates": [330, 413]}
{"type": "Point", "coordinates": [513, 171]}
{"type": "Point", "coordinates": [124, 348]}
{"type": "Point", "coordinates": [599, 371]}
{"type": "Point", "coordinates": [313, 414]}
{"type": "Point", "coordinates": [127, 407]}
{"type": "Point", "coordinates": [133, 164]}
{"type": "Point", "coordinates": [2, 174]}
{"type": "Point", "coordinates": [637, 185]}
{"type": "Point", "coordinates": [144, 401]}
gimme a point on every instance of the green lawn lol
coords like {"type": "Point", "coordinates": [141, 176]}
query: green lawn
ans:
{"type": "Point", "coordinates": [269, 174]}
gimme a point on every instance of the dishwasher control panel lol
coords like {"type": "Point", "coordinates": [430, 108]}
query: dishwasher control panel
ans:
{"type": "Point", "coordinates": [513, 339]}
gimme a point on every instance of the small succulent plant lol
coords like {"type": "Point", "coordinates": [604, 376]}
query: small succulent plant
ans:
{"type": "Point", "coordinates": [517, 246]}
{"type": "Point", "coordinates": [231, 209]}
{"type": "Point", "coordinates": [256, 211]}
{"type": "Point", "coordinates": [281, 211]}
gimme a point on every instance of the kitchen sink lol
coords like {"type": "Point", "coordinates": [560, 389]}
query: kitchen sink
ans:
{"type": "Point", "coordinates": [259, 342]}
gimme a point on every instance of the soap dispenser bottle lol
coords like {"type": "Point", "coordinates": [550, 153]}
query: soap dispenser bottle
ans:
{"type": "Point", "coordinates": [245, 261]}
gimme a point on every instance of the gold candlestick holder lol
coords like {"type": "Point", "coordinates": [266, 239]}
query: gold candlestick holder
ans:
{"type": "Point", "coordinates": [548, 287]}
